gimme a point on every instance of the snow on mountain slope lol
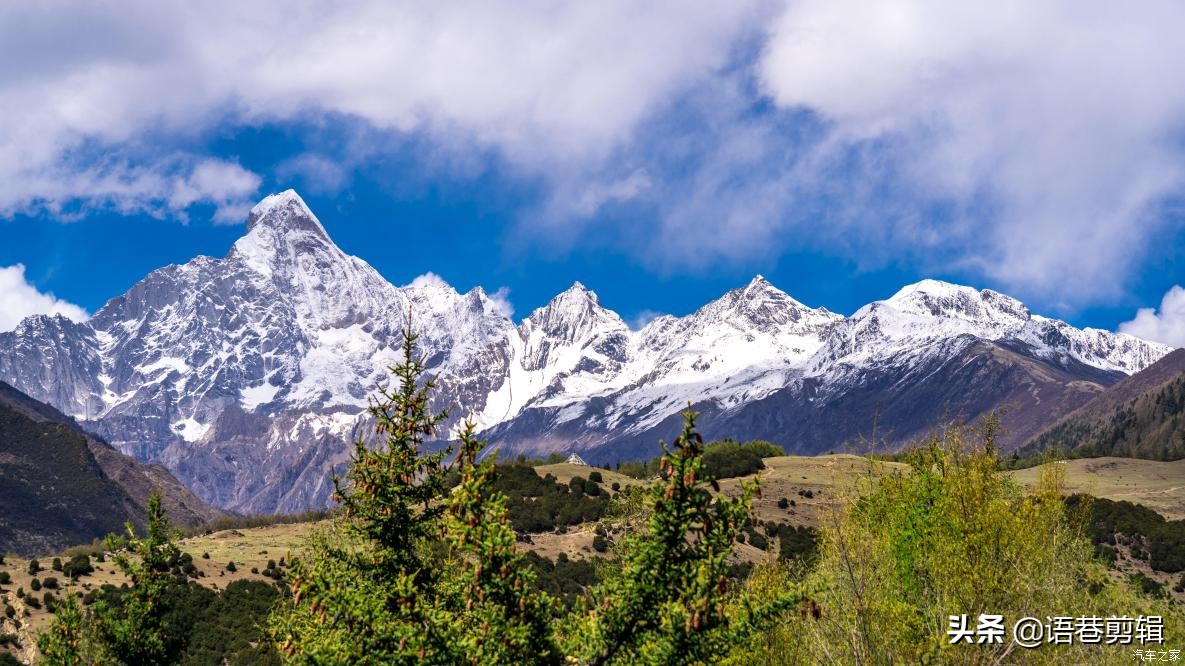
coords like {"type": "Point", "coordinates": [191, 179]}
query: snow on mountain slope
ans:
{"type": "Point", "coordinates": [907, 326]}
{"type": "Point", "coordinates": [249, 375]}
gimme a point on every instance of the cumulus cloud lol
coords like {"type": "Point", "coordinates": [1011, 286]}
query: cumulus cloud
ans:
{"type": "Point", "coordinates": [159, 187]}
{"type": "Point", "coordinates": [544, 84]}
{"type": "Point", "coordinates": [1029, 145]}
{"type": "Point", "coordinates": [1166, 325]}
{"type": "Point", "coordinates": [1059, 122]}
{"type": "Point", "coordinates": [20, 299]}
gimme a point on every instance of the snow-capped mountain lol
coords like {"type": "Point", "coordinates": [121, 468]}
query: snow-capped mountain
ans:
{"type": "Point", "coordinates": [248, 376]}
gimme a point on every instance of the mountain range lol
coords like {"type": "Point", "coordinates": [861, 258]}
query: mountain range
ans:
{"type": "Point", "coordinates": [248, 376]}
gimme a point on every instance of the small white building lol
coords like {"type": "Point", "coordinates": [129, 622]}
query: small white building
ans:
{"type": "Point", "coordinates": [576, 460]}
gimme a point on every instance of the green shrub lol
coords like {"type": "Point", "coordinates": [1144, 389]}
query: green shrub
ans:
{"type": "Point", "coordinates": [727, 459]}
{"type": "Point", "coordinates": [600, 543]}
{"type": "Point", "coordinates": [764, 449]}
{"type": "Point", "coordinates": [615, 486]}
{"type": "Point", "coordinates": [595, 477]}
{"type": "Point", "coordinates": [9, 611]}
{"type": "Point", "coordinates": [35, 585]}
{"type": "Point", "coordinates": [5, 578]}
{"type": "Point", "coordinates": [539, 504]}
{"type": "Point", "coordinates": [34, 567]}
{"type": "Point", "coordinates": [1147, 585]}
{"type": "Point", "coordinates": [78, 566]}
{"type": "Point", "coordinates": [1131, 523]}
{"type": "Point", "coordinates": [230, 566]}
{"type": "Point", "coordinates": [783, 503]}
{"type": "Point", "coordinates": [50, 583]}
{"type": "Point", "coordinates": [57, 564]}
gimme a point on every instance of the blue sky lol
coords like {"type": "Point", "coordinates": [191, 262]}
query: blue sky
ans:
{"type": "Point", "coordinates": [661, 155]}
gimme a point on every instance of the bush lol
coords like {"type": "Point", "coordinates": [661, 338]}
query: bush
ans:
{"type": "Point", "coordinates": [50, 583]}
{"type": "Point", "coordinates": [32, 602]}
{"type": "Point", "coordinates": [34, 567]}
{"type": "Point", "coordinates": [1147, 585]}
{"type": "Point", "coordinates": [765, 449]}
{"type": "Point", "coordinates": [78, 566]}
{"type": "Point", "coordinates": [595, 477]}
{"type": "Point", "coordinates": [783, 503]}
{"type": "Point", "coordinates": [1128, 523]}
{"type": "Point", "coordinates": [5, 578]}
{"type": "Point", "coordinates": [727, 459]}
{"type": "Point", "coordinates": [230, 566]}
{"type": "Point", "coordinates": [538, 504]}
{"type": "Point", "coordinates": [57, 564]}
{"type": "Point", "coordinates": [600, 543]}
{"type": "Point", "coordinates": [615, 486]}
{"type": "Point", "coordinates": [9, 611]}
{"type": "Point", "coordinates": [35, 585]}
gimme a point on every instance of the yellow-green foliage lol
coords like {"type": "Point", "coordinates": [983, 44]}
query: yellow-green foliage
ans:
{"type": "Point", "coordinates": [954, 536]}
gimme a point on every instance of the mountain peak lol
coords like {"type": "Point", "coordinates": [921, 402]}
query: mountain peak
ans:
{"type": "Point", "coordinates": [285, 211]}
{"type": "Point", "coordinates": [576, 307]}
{"type": "Point", "coordinates": [945, 299]}
{"type": "Point", "coordinates": [577, 293]}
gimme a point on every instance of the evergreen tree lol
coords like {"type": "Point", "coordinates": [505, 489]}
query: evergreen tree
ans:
{"type": "Point", "coordinates": [129, 630]}
{"type": "Point", "coordinates": [133, 631]}
{"type": "Point", "coordinates": [495, 591]}
{"type": "Point", "coordinates": [374, 593]}
{"type": "Point", "coordinates": [671, 603]}
{"type": "Point", "coordinates": [62, 643]}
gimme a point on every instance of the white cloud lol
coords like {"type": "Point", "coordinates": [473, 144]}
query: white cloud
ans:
{"type": "Point", "coordinates": [428, 279]}
{"type": "Point", "coordinates": [501, 300]}
{"type": "Point", "coordinates": [317, 173]}
{"type": "Point", "coordinates": [1166, 326]}
{"type": "Point", "coordinates": [544, 84]}
{"type": "Point", "coordinates": [1059, 121]}
{"type": "Point", "coordinates": [642, 318]}
{"type": "Point", "coordinates": [162, 187]}
{"type": "Point", "coordinates": [1026, 144]}
{"type": "Point", "coordinates": [20, 299]}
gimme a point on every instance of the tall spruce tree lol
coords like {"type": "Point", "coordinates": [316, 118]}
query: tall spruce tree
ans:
{"type": "Point", "coordinates": [414, 574]}
{"type": "Point", "coordinates": [672, 602]}
{"type": "Point", "coordinates": [129, 629]}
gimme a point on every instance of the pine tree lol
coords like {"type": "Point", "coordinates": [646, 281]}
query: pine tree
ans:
{"type": "Point", "coordinates": [379, 595]}
{"type": "Point", "coordinates": [494, 592]}
{"type": "Point", "coordinates": [131, 630]}
{"type": "Point", "coordinates": [62, 643]}
{"type": "Point", "coordinates": [670, 604]}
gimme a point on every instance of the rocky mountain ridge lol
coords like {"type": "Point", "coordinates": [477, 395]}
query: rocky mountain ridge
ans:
{"type": "Point", "coordinates": [247, 376]}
